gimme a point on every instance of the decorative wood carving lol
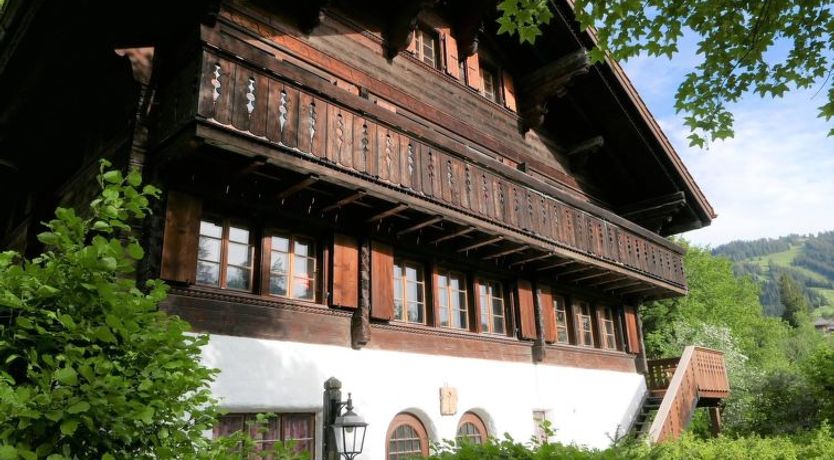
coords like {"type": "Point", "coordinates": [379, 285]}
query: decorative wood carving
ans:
{"type": "Point", "coordinates": [552, 80]}
{"type": "Point", "coordinates": [538, 343]}
{"type": "Point", "coordinates": [467, 22]}
{"type": "Point", "coordinates": [360, 322]}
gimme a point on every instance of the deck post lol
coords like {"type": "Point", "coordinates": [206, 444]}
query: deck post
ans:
{"type": "Point", "coordinates": [715, 420]}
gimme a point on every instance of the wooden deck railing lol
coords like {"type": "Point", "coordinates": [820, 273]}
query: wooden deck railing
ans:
{"type": "Point", "coordinates": [699, 375]}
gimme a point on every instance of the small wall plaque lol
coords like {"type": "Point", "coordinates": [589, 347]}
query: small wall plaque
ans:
{"type": "Point", "coordinates": [448, 400]}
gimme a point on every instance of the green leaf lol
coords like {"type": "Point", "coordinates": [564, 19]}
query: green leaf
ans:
{"type": "Point", "coordinates": [8, 452]}
{"type": "Point", "coordinates": [67, 321]}
{"type": "Point", "coordinates": [135, 251]}
{"type": "Point", "coordinates": [68, 427]}
{"type": "Point", "coordinates": [23, 322]}
{"type": "Point", "coordinates": [134, 178]}
{"type": "Point", "coordinates": [113, 177]}
{"type": "Point", "coordinates": [79, 407]}
{"type": "Point", "coordinates": [108, 456]}
{"type": "Point", "coordinates": [146, 414]}
{"type": "Point", "coordinates": [67, 376]}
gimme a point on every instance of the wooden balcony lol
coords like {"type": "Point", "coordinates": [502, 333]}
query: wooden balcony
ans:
{"type": "Point", "coordinates": [697, 379]}
{"type": "Point", "coordinates": [266, 108]}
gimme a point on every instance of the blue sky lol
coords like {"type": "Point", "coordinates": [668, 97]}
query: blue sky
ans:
{"type": "Point", "coordinates": [774, 178]}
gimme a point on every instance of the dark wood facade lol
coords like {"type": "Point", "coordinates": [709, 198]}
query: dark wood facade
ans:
{"type": "Point", "coordinates": [522, 168]}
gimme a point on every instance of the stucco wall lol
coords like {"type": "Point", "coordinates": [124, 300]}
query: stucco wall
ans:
{"type": "Point", "coordinates": [585, 406]}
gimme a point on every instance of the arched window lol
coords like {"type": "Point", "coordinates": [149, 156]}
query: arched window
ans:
{"type": "Point", "coordinates": [406, 438]}
{"type": "Point", "coordinates": [472, 429]}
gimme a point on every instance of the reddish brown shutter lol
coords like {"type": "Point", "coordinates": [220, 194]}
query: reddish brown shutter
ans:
{"type": "Point", "coordinates": [181, 238]}
{"type": "Point", "coordinates": [382, 281]}
{"type": "Point", "coordinates": [473, 72]}
{"type": "Point", "coordinates": [450, 50]}
{"type": "Point", "coordinates": [526, 310]}
{"type": "Point", "coordinates": [509, 92]}
{"type": "Point", "coordinates": [548, 313]}
{"type": "Point", "coordinates": [412, 43]}
{"type": "Point", "coordinates": [345, 271]}
{"type": "Point", "coordinates": [632, 330]}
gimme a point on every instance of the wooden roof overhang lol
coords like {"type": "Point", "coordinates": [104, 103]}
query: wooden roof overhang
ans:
{"type": "Point", "coordinates": [354, 160]}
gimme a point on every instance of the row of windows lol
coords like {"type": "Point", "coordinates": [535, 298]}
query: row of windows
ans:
{"type": "Point", "coordinates": [427, 49]}
{"type": "Point", "coordinates": [227, 254]}
{"type": "Point", "coordinates": [407, 437]}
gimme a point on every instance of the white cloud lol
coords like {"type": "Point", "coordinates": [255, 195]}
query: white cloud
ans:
{"type": "Point", "coordinates": [774, 178]}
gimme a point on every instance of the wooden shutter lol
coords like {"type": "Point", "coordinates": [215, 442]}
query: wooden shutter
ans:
{"type": "Point", "coordinates": [181, 238]}
{"type": "Point", "coordinates": [412, 42]}
{"type": "Point", "coordinates": [473, 73]}
{"type": "Point", "coordinates": [509, 91]}
{"type": "Point", "coordinates": [632, 330]}
{"type": "Point", "coordinates": [382, 281]}
{"type": "Point", "coordinates": [526, 310]}
{"type": "Point", "coordinates": [345, 271]}
{"type": "Point", "coordinates": [548, 313]}
{"type": "Point", "coordinates": [450, 53]}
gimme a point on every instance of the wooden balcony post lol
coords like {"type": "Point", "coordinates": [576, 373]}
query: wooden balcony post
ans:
{"type": "Point", "coordinates": [360, 323]}
{"type": "Point", "coordinates": [715, 420]}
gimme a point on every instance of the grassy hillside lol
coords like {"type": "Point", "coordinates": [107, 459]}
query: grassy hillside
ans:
{"type": "Point", "coordinates": [808, 259]}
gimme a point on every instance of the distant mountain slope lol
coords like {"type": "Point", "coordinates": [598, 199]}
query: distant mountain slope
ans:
{"type": "Point", "coordinates": [809, 259]}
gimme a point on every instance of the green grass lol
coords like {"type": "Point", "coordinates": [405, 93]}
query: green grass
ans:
{"type": "Point", "coordinates": [785, 259]}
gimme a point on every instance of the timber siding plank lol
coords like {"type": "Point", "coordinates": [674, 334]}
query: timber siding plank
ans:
{"type": "Point", "coordinates": [382, 281]}
{"type": "Point", "coordinates": [180, 238]}
{"type": "Point", "coordinates": [526, 310]}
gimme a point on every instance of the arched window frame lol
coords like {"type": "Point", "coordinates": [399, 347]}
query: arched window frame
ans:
{"type": "Point", "coordinates": [477, 422]}
{"type": "Point", "coordinates": [410, 420]}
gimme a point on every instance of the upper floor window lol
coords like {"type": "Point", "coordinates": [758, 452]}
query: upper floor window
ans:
{"type": "Point", "coordinates": [584, 328]}
{"type": "Point", "coordinates": [451, 298]}
{"type": "Point", "coordinates": [491, 306]}
{"type": "Point", "coordinates": [491, 83]}
{"type": "Point", "coordinates": [562, 335]}
{"type": "Point", "coordinates": [427, 46]}
{"type": "Point", "coordinates": [607, 330]}
{"type": "Point", "coordinates": [298, 428]}
{"type": "Point", "coordinates": [409, 292]}
{"type": "Point", "coordinates": [292, 267]}
{"type": "Point", "coordinates": [225, 255]}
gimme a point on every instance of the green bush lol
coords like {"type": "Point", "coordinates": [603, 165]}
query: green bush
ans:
{"type": "Point", "coordinates": [818, 444]}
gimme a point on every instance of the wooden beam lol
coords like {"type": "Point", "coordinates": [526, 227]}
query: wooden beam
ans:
{"type": "Point", "coordinates": [298, 186]}
{"type": "Point", "coordinates": [556, 265]}
{"type": "Point", "coordinates": [357, 195]}
{"type": "Point", "coordinates": [486, 242]}
{"type": "Point", "coordinates": [422, 224]}
{"type": "Point", "coordinates": [577, 270]}
{"type": "Point", "coordinates": [400, 23]}
{"type": "Point", "coordinates": [506, 252]}
{"type": "Point", "coordinates": [659, 206]}
{"type": "Point", "coordinates": [585, 277]}
{"type": "Point", "coordinates": [586, 147]}
{"type": "Point", "coordinates": [621, 285]}
{"type": "Point", "coordinates": [546, 82]}
{"type": "Point", "coordinates": [390, 212]}
{"type": "Point", "coordinates": [461, 232]}
{"type": "Point", "coordinates": [614, 277]}
{"type": "Point", "coordinates": [249, 167]}
{"type": "Point", "coordinates": [531, 259]}
{"type": "Point", "coordinates": [637, 289]}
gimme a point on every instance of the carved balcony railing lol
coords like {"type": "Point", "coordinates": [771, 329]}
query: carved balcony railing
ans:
{"type": "Point", "coordinates": [697, 379]}
{"type": "Point", "coordinates": [268, 106]}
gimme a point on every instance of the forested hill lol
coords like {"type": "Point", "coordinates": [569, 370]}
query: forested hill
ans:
{"type": "Point", "coordinates": [809, 259]}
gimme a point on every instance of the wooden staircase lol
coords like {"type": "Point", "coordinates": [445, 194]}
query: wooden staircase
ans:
{"type": "Point", "coordinates": [677, 386]}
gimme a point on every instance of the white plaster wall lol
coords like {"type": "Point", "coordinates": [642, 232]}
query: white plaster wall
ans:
{"type": "Point", "coordinates": [586, 407]}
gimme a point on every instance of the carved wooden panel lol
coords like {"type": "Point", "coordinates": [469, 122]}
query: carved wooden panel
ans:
{"type": "Point", "coordinates": [259, 104]}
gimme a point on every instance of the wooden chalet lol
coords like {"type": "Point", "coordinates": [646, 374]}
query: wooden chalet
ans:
{"type": "Point", "coordinates": [387, 192]}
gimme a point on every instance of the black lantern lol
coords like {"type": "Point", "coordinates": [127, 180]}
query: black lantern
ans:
{"type": "Point", "coordinates": [349, 432]}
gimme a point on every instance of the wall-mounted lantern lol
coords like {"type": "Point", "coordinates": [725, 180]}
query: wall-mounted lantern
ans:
{"type": "Point", "coordinates": [348, 429]}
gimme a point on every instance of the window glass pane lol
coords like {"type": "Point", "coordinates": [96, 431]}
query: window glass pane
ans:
{"type": "Point", "coordinates": [398, 271]}
{"type": "Point", "coordinates": [241, 235]}
{"type": "Point", "coordinates": [211, 229]}
{"type": "Point", "coordinates": [563, 335]}
{"type": "Point", "coordinates": [280, 243]}
{"type": "Point", "coordinates": [498, 325]}
{"type": "Point", "coordinates": [442, 281]}
{"type": "Point", "coordinates": [304, 266]}
{"type": "Point", "coordinates": [240, 254]}
{"type": "Point", "coordinates": [460, 319]}
{"type": "Point", "coordinates": [208, 273]}
{"type": "Point", "coordinates": [415, 312]}
{"type": "Point", "coordinates": [302, 288]}
{"type": "Point", "coordinates": [413, 273]}
{"type": "Point", "coordinates": [398, 309]}
{"type": "Point", "coordinates": [421, 289]}
{"type": "Point", "coordinates": [303, 248]}
{"type": "Point", "coordinates": [454, 283]}
{"type": "Point", "coordinates": [497, 307]}
{"type": "Point", "coordinates": [444, 316]}
{"type": "Point", "coordinates": [412, 291]}
{"type": "Point", "coordinates": [237, 278]}
{"type": "Point", "coordinates": [280, 262]}
{"type": "Point", "coordinates": [209, 249]}
{"type": "Point", "coordinates": [398, 289]}
{"type": "Point", "coordinates": [278, 285]}
{"type": "Point", "coordinates": [298, 427]}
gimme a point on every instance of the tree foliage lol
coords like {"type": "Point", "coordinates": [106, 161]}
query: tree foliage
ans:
{"type": "Point", "coordinates": [89, 367]}
{"type": "Point", "coordinates": [796, 311]}
{"type": "Point", "coordinates": [736, 44]}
